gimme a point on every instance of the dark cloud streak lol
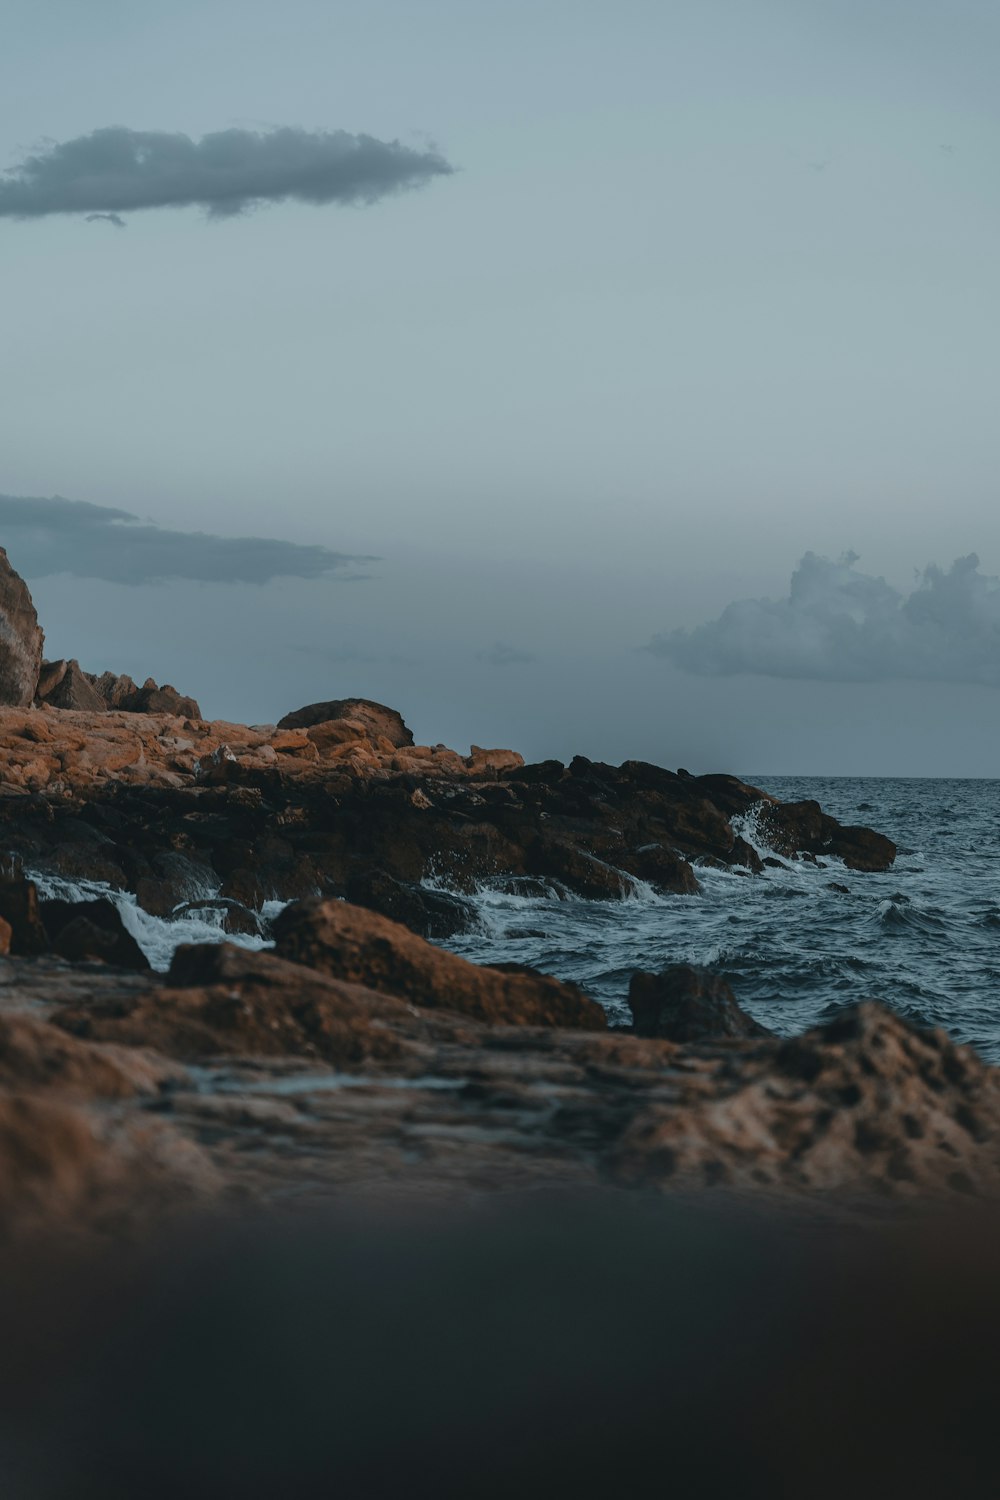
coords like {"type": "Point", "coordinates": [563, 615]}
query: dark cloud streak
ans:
{"type": "Point", "coordinates": [116, 170]}
{"type": "Point", "coordinates": [45, 537]}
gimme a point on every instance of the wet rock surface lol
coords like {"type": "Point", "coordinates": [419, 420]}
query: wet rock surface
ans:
{"type": "Point", "coordinates": [179, 809]}
{"type": "Point", "coordinates": [686, 1003]}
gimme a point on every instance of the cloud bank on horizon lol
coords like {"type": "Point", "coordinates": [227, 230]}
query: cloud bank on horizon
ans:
{"type": "Point", "coordinates": [45, 537]}
{"type": "Point", "coordinates": [839, 624]}
{"type": "Point", "coordinates": [115, 170]}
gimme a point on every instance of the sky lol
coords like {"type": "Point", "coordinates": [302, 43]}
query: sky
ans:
{"type": "Point", "coordinates": [586, 378]}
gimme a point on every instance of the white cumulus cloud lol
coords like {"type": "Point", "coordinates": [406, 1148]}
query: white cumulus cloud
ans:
{"type": "Point", "coordinates": [840, 624]}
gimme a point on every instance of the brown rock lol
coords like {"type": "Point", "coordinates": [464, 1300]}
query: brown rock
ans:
{"type": "Point", "coordinates": [222, 1000]}
{"type": "Point", "coordinates": [377, 720]}
{"type": "Point", "coordinates": [364, 948]}
{"type": "Point", "coordinates": [687, 1004]}
{"type": "Point", "coordinates": [334, 733]}
{"type": "Point", "coordinates": [6, 936]}
{"type": "Point", "coordinates": [483, 761]}
{"type": "Point", "coordinates": [120, 692]}
{"type": "Point", "coordinates": [64, 684]}
{"type": "Point", "coordinates": [21, 639]}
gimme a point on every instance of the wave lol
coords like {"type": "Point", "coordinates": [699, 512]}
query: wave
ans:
{"type": "Point", "coordinates": [158, 937]}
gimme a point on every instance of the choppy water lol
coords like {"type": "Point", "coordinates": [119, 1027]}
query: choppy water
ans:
{"type": "Point", "coordinates": [924, 938]}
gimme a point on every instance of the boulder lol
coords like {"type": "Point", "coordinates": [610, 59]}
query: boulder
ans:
{"type": "Point", "coordinates": [64, 684]}
{"type": "Point", "coordinates": [221, 1000]}
{"type": "Point", "coordinates": [19, 909]}
{"type": "Point", "coordinates": [91, 930]}
{"type": "Point", "coordinates": [377, 721]}
{"type": "Point", "coordinates": [21, 639]}
{"type": "Point", "coordinates": [665, 869]}
{"type": "Point", "coordinates": [364, 948]}
{"type": "Point", "coordinates": [430, 914]}
{"type": "Point", "coordinates": [685, 1003]}
{"type": "Point", "coordinates": [583, 873]}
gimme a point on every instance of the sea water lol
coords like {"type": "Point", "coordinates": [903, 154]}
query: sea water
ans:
{"type": "Point", "coordinates": [923, 938]}
{"type": "Point", "coordinates": [797, 943]}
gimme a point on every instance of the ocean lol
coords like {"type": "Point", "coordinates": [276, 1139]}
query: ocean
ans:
{"type": "Point", "coordinates": [796, 943]}
{"type": "Point", "coordinates": [923, 938]}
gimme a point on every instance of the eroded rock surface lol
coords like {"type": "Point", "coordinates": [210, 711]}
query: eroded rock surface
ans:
{"type": "Point", "coordinates": [258, 1079]}
{"type": "Point", "coordinates": [21, 638]}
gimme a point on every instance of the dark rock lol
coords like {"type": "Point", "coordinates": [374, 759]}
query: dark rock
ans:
{"type": "Point", "coordinates": [20, 908]}
{"type": "Point", "coordinates": [237, 919]}
{"type": "Point", "coordinates": [430, 914]}
{"type": "Point", "coordinates": [803, 828]}
{"type": "Point", "coordinates": [121, 693]}
{"type": "Point", "coordinates": [379, 722]}
{"type": "Point", "coordinates": [583, 873]}
{"type": "Point", "coordinates": [21, 639]}
{"type": "Point", "coordinates": [82, 930]}
{"type": "Point", "coordinates": [687, 1004]}
{"type": "Point", "coordinates": [663, 868]}
{"type": "Point", "coordinates": [115, 689]}
{"type": "Point", "coordinates": [64, 684]}
{"type": "Point", "coordinates": [364, 948]}
{"type": "Point", "coordinates": [746, 856]}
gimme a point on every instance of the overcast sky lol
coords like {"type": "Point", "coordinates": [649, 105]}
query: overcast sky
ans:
{"type": "Point", "coordinates": [513, 358]}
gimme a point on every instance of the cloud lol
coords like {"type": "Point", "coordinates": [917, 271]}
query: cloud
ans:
{"type": "Point", "coordinates": [839, 624]}
{"type": "Point", "coordinates": [116, 170]}
{"type": "Point", "coordinates": [115, 219]}
{"type": "Point", "coordinates": [44, 537]}
{"type": "Point", "coordinates": [502, 655]}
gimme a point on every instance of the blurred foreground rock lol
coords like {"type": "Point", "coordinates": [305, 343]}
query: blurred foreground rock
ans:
{"type": "Point", "coordinates": [361, 1059]}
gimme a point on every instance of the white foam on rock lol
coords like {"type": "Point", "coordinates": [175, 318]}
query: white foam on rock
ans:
{"type": "Point", "coordinates": [158, 937]}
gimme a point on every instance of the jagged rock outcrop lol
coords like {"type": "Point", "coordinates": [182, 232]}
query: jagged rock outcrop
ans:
{"type": "Point", "coordinates": [64, 684]}
{"type": "Point", "coordinates": [123, 694]}
{"type": "Point", "coordinates": [21, 639]}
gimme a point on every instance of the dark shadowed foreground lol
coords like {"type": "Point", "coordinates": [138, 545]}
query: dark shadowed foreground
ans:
{"type": "Point", "coordinates": [591, 1345]}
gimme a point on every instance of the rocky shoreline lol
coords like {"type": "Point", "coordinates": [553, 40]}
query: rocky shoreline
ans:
{"type": "Point", "coordinates": [358, 1057]}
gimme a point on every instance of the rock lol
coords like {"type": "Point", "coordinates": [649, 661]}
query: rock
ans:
{"type": "Point", "coordinates": [115, 689]}
{"type": "Point", "coordinates": [363, 948]}
{"type": "Point", "coordinates": [867, 1104]}
{"type": "Point", "coordinates": [235, 918]}
{"type": "Point", "coordinates": [804, 828]}
{"type": "Point", "coordinates": [120, 692]}
{"type": "Point", "coordinates": [483, 762]}
{"type": "Point", "coordinates": [91, 930]}
{"type": "Point", "coordinates": [21, 639]}
{"type": "Point", "coordinates": [428, 913]}
{"type": "Point", "coordinates": [583, 873]}
{"type": "Point", "coordinates": [6, 937]}
{"type": "Point", "coordinates": [64, 684]}
{"type": "Point", "coordinates": [687, 1004]}
{"type": "Point", "coordinates": [222, 1000]}
{"type": "Point", "coordinates": [377, 721]}
{"type": "Point", "coordinates": [19, 908]}
{"type": "Point", "coordinates": [663, 868]}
